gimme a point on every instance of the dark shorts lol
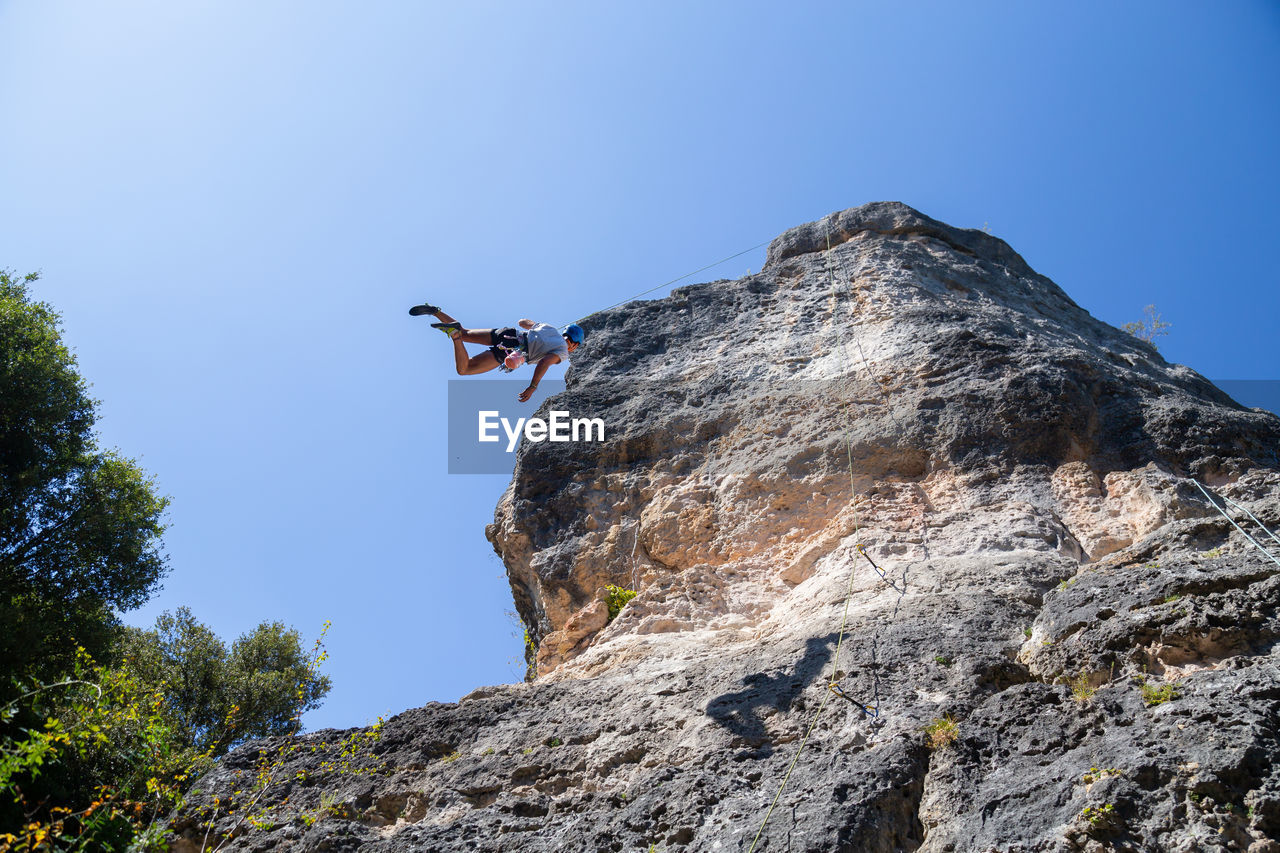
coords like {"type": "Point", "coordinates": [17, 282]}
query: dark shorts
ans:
{"type": "Point", "coordinates": [504, 341]}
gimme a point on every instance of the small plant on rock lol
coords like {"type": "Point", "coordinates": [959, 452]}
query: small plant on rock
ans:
{"type": "Point", "coordinates": [1157, 695]}
{"type": "Point", "coordinates": [1149, 328]}
{"type": "Point", "coordinates": [942, 732]}
{"type": "Point", "coordinates": [1100, 818]}
{"type": "Point", "coordinates": [1096, 774]}
{"type": "Point", "coordinates": [942, 660]}
{"type": "Point", "coordinates": [1082, 689]}
{"type": "Point", "coordinates": [330, 806]}
{"type": "Point", "coordinates": [355, 753]}
{"type": "Point", "coordinates": [618, 598]}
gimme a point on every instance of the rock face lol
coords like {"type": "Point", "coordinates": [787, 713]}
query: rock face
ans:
{"type": "Point", "coordinates": [897, 461]}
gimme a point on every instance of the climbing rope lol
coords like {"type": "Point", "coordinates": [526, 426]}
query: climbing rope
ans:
{"type": "Point", "coordinates": [636, 541]}
{"type": "Point", "coordinates": [1252, 516]}
{"type": "Point", "coordinates": [833, 686]}
{"type": "Point", "coordinates": [1246, 535]}
{"type": "Point", "coordinates": [813, 724]}
{"type": "Point", "coordinates": [634, 573]}
{"type": "Point", "coordinates": [635, 296]}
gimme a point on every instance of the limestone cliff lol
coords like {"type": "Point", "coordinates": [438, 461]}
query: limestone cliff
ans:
{"type": "Point", "coordinates": [1050, 579]}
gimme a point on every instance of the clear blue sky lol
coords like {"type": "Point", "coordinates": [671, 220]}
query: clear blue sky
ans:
{"type": "Point", "coordinates": [233, 204]}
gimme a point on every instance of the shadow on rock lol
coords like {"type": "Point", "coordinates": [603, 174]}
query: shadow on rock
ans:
{"type": "Point", "coordinates": [743, 711]}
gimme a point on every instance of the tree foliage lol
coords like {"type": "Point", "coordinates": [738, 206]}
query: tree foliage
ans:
{"type": "Point", "coordinates": [103, 727]}
{"type": "Point", "coordinates": [79, 527]}
{"type": "Point", "coordinates": [217, 697]}
{"type": "Point", "coordinates": [98, 760]}
{"type": "Point", "coordinates": [88, 761]}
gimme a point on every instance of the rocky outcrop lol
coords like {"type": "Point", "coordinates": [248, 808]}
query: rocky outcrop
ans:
{"type": "Point", "coordinates": [897, 461]}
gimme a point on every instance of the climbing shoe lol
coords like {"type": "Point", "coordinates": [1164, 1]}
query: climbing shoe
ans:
{"type": "Point", "coordinates": [425, 308]}
{"type": "Point", "coordinates": [447, 328]}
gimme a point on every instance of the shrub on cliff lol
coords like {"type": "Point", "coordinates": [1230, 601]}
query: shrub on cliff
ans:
{"type": "Point", "coordinates": [618, 599]}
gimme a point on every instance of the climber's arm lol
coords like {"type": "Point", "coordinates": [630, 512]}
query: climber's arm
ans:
{"type": "Point", "coordinates": [538, 372]}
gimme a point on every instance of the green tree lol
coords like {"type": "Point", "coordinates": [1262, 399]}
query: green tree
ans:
{"type": "Point", "coordinates": [217, 697]}
{"type": "Point", "coordinates": [97, 760]}
{"type": "Point", "coordinates": [92, 756]}
{"type": "Point", "coordinates": [79, 527]}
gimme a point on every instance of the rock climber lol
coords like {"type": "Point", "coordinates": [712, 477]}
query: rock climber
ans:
{"type": "Point", "coordinates": [538, 344]}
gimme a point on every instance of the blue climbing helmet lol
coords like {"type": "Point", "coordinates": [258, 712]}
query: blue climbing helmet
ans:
{"type": "Point", "coordinates": [574, 333]}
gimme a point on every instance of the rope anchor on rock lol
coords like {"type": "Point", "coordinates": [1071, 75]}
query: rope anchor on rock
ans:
{"type": "Point", "coordinates": [862, 549]}
{"type": "Point", "coordinates": [867, 710]}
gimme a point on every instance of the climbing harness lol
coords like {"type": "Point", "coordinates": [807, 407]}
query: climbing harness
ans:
{"type": "Point", "coordinates": [1224, 514]}
{"type": "Point", "coordinates": [515, 348]}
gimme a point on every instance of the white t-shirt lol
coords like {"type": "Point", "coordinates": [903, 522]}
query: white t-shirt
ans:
{"type": "Point", "coordinates": [545, 340]}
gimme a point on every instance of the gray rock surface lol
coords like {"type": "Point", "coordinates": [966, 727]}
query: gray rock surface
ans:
{"type": "Point", "coordinates": [914, 396]}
